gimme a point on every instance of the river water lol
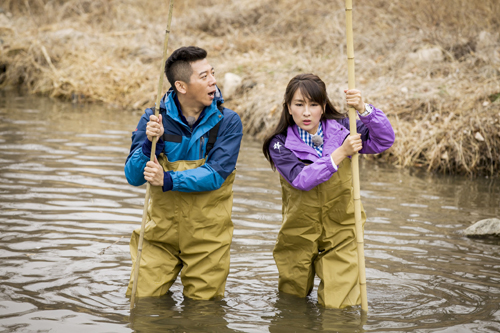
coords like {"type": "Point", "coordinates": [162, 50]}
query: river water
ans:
{"type": "Point", "coordinates": [67, 212]}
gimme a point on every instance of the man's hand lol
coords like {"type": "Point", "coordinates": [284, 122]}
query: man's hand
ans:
{"type": "Point", "coordinates": [154, 127]}
{"type": "Point", "coordinates": [153, 173]}
{"type": "Point", "coordinates": [354, 99]}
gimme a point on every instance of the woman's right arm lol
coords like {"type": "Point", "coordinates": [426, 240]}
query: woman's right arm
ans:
{"type": "Point", "coordinates": [351, 145]}
{"type": "Point", "coordinates": [297, 173]}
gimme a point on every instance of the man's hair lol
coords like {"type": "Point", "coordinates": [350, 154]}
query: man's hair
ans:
{"type": "Point", "coordinates": [178, 65]}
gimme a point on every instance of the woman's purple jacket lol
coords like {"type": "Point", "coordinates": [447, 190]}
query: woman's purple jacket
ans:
{"type": "Point", "coordinates": [289, 152]}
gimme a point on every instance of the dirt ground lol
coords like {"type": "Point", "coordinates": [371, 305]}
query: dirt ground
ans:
{"type": "Point", "coordinates": [432, 66]}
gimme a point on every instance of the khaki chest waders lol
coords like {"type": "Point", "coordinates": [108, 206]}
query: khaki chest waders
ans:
{"type": "Point", "coordinates": [188, 233]}
{"type": "Point", "coordinates": [318, 236]}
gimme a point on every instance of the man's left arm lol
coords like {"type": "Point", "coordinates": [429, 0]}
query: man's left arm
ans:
{"type": "Point", "coordinates": [220, 163]}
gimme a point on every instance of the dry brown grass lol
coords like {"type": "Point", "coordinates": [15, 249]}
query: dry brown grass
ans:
{"type": "Point", "coordinates": [446, 112]}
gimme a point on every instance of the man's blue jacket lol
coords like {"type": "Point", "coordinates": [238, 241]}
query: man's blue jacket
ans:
{"type": "Point", "coordinates": [187, 144]}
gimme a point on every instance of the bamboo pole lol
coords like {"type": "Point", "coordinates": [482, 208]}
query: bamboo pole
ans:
{"type": "Point", "coordinates": [355, 160]}
{"type": "Point", "coordinates": [152, 158]}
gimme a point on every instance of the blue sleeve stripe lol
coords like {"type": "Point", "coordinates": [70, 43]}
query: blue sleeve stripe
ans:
{"type": "Point", "coordinates": [134, 168]}
{"type": "Point", "coordinates": [200, 179]}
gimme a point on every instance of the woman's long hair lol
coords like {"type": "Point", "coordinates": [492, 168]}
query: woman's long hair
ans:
{"type": "Point", "coordinates": [314, 89]}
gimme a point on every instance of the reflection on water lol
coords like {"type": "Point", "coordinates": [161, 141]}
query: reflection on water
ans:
{"type": "Point", "coordinates": [67, 212]}
{"type": "Point", "coordinates": [169, 313]}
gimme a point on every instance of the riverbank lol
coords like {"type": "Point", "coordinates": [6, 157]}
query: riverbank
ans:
{"type": "Point", "coordinates": [433, 67]}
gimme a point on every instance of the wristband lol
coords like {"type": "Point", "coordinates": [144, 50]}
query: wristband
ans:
{"type": "Point", "coordinates": [368, 110]}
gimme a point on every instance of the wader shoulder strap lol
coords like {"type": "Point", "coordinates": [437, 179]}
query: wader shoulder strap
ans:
{"type": "Point", "coordinates": [212, 135]}
{"type": "Point", "coordinates": [165, 136]}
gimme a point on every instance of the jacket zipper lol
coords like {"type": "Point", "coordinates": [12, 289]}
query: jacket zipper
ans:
{"type": "Point", "coordinates": [202, 139]}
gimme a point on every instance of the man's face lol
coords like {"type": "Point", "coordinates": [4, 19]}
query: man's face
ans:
{"type": "Point", "coordinates": [201, 87]}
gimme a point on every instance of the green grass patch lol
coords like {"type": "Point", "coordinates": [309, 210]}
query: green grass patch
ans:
{"type": "Point", "coordinates": [494, 97]}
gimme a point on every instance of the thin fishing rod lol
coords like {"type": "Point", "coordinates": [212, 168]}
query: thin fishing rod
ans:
{"type": "Point", "coordinates": [152, 158]}
{"type": "Point", "coordinates": [355, 161]}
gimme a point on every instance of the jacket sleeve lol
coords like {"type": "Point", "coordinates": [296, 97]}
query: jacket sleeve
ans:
{"type": "Point", "coordinates": [140, 152]}
{"type": "Point", "coordinates": [377, 132]}
{"type": "Point", "coordinates": [297, 173]}
{"type": "Point", "coordinates": [220, 163]}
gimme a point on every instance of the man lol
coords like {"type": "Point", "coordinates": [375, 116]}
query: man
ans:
{"type": "Point", "coordinates": [189, 227]}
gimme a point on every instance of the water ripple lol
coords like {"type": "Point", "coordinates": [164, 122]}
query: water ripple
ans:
{"type": "Point", "coordinates": [66, 214]}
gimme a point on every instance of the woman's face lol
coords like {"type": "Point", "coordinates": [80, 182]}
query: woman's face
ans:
{"type": "Point", "coordinates": [306, 113]}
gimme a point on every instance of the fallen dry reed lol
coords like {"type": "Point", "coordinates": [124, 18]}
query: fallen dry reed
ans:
{"type": "Point", "coordinates": [432, 66]}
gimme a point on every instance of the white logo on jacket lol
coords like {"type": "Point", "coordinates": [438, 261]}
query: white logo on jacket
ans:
{"type": "Point", "coordinates": [277, 146]}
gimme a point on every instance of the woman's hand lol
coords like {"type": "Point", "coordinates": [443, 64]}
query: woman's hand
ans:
{"type": "Point", "coordinates": [352, 144]}
{"type": "Point", "coordinates": [154, 127]}
{"type": "Point", "coordinates": [354, 99]}
{"type": "Point", "coordinates": [153, 173]}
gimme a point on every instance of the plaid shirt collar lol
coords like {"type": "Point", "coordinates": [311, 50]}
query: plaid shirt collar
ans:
{"type": "Point", "coordinates": [307, 138]}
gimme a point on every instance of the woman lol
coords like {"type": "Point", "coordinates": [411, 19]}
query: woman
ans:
{"type": "Point", "coordinates": [310, 148]}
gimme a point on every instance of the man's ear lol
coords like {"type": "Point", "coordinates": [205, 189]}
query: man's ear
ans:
{"type": "Point", "coordinates": [181, 87]}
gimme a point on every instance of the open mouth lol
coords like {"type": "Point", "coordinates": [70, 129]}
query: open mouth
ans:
{"type": "Point", "coordinates": [212, 94]}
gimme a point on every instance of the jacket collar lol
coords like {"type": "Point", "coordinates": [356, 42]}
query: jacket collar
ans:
{"type": "Point", "coordinates": [299, 147]}
{"type": "Point", "coordinates": [211, 117]}
{"type": "Point", "coordinates": [168, 102]}
{"type": "Point", "coordinates": [334, 135]}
